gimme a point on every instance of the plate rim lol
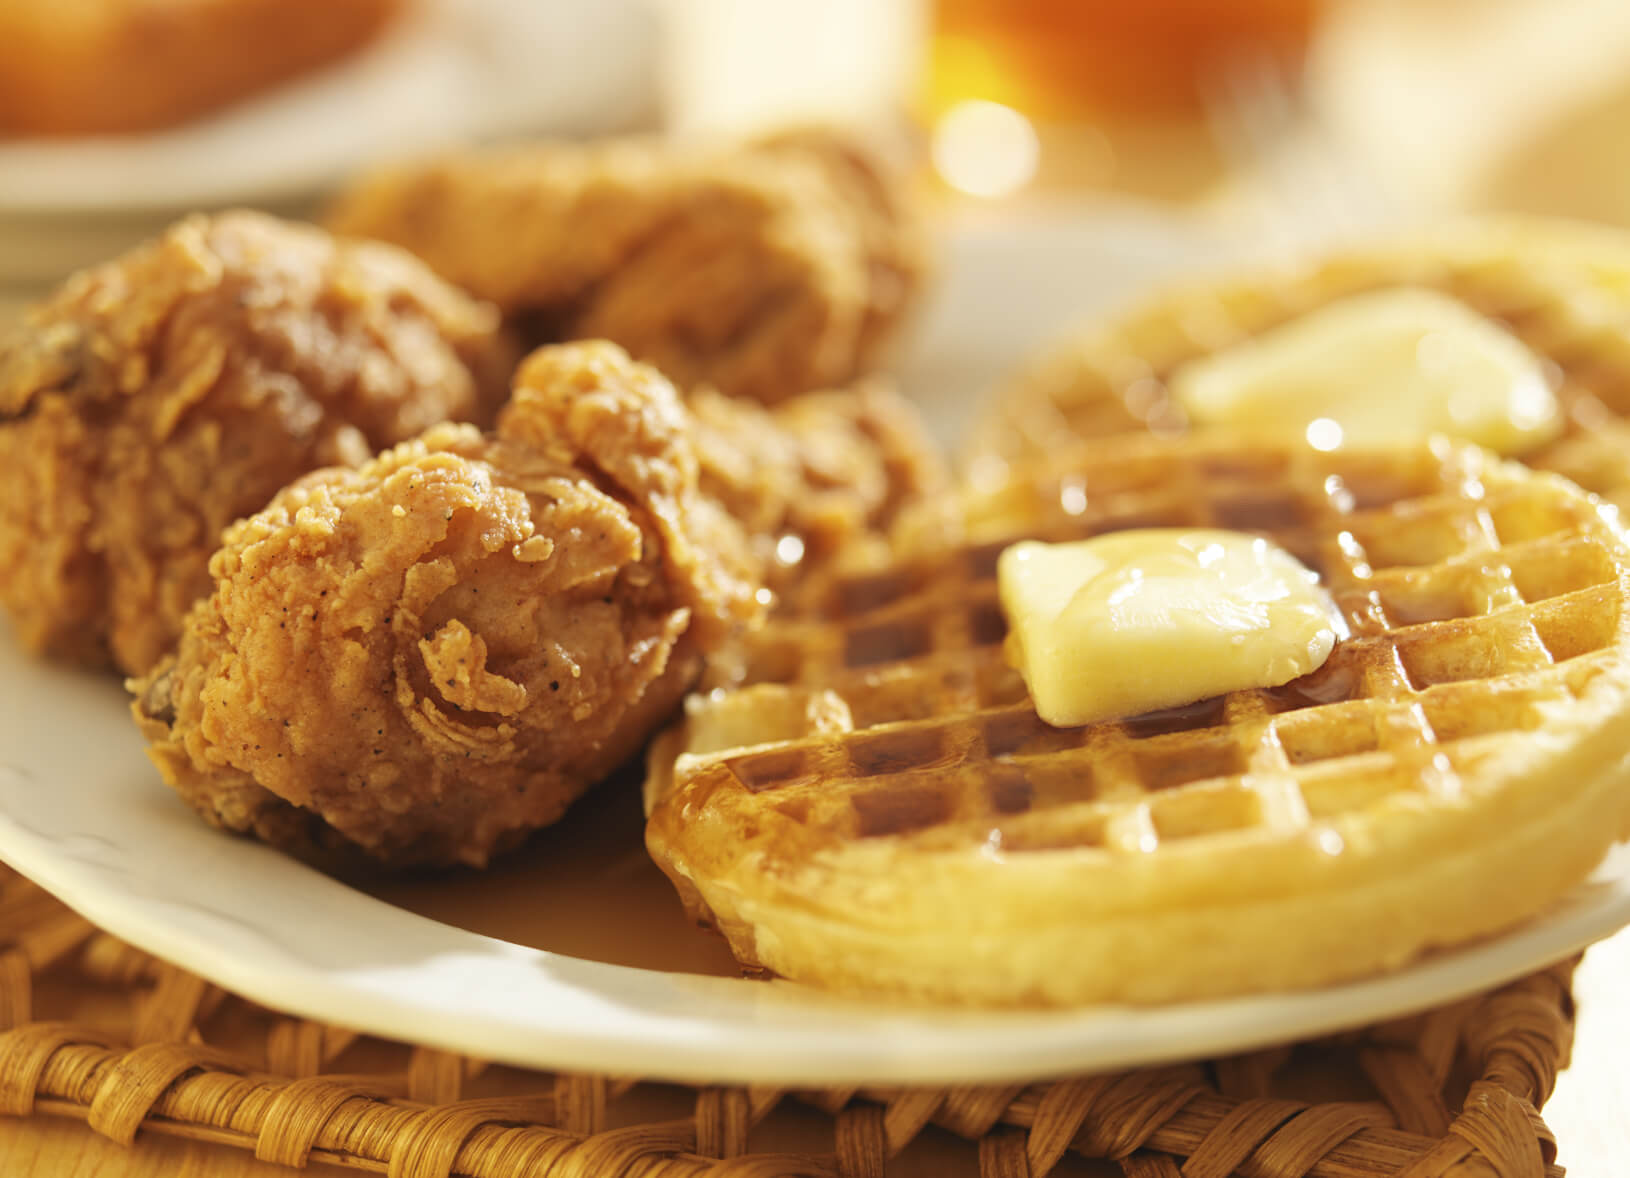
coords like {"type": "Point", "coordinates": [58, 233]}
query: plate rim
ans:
{"type": "Point", "coordinates": [899, 1044]}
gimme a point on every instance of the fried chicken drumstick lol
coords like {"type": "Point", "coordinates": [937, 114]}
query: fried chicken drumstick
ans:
{"type": "Point", "coordinates": [153, 400]}
{"type": "Point", "coordinates": [766, 271]}
{"type": "Point", "coordinates": [427, 657]}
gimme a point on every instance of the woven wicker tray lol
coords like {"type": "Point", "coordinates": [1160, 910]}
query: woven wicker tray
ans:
{"type": "Point", "coordinates": [95, 1030]}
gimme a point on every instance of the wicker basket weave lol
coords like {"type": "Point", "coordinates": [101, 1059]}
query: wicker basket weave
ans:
{"type": "Point", "coordinates": [93, 1029]}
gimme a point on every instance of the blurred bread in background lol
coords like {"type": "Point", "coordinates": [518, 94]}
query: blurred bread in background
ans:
{"type": "Point", "coordinates": [92, 67]}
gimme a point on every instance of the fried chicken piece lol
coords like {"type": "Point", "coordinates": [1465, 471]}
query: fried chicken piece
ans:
{"type": "Point", "coordinates": [766, 271]}
{"type": "Point", "coordinates": [426, 658]}
{"type": "Point", "coordinates": [153, 400]}
{"type": "Point", "coordinates": [429, 656]}
{"type": "Point", "coordinates": [826, 477]}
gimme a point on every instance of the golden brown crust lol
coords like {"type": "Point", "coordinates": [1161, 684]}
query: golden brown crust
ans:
{"type": "Point", "coordinates": [153, 400]}
{"type": "Point", "coordinates": [766, 272]}
{"type": "Point", "coordinates": [439, 651]}
{"type": "Point", "coordinates": [85, 67]}
{"type": "Point", "coordinates": [623, 423]}
{"type": "Point", "coordinates": [426, 658]}
{"type": "Point", "coordinates": [876, 806]}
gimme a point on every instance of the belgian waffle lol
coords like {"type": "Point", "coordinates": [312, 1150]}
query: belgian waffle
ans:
{"type": "Point", "coordinates": [876, 807]}
{"type": "Point", "coordinates": [1563, 289]}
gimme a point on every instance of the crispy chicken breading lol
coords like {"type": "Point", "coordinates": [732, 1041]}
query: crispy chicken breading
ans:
{"type": "Point", "coordinates": [766, 271]}
{"type": "Point", "coordinates": [153, 400]}
{"type": "Point", "coordinates": [429, 656]}
{"type": "Point", "coordinates": [820, 478]}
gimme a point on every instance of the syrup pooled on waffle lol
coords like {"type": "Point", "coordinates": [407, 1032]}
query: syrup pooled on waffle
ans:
{"type": "Point", "coordinates": [876, 807]}
{"type": "Point", "coordinates": [1563, 290]}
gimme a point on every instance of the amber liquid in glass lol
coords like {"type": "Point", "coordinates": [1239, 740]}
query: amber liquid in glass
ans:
{"type": "Point", "coordinates": [1117, 88]}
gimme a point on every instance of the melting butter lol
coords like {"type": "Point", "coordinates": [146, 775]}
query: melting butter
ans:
{"type": "Point", "coordinates": [1378, 368]}
{"type": "Point", "coordinates": [1154, 618]}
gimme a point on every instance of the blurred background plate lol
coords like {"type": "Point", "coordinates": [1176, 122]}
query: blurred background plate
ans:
{"type": "Point", "coordinates": [445, 72]}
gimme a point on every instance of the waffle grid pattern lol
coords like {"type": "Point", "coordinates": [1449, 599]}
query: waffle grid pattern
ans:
{"type": "Point", "coordinates": [1473, 602]}
{"type": "Point", "coordinates": [96, 1031]}
{"type": "Point", "coordinates": [1569, 314]}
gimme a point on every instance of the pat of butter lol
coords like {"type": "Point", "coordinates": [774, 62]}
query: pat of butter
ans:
{"type": "Point", "coordinates": [1153, 618]}
{"type": "Point", "coordinates": [1378, 368]}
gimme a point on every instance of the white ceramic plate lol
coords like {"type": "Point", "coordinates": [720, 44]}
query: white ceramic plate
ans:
{"type": "Point", "coordinates": [447, 72]}
{"type": "Point", "coordinates": [591, 966]}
